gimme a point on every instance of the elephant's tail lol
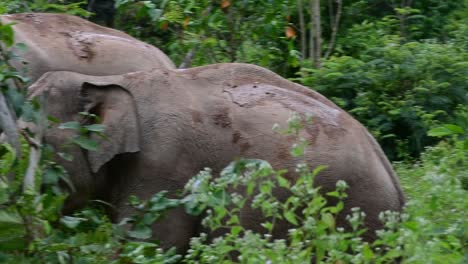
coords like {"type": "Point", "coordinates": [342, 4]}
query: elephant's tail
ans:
{"type": "Point", "coordinates": [388, 168]}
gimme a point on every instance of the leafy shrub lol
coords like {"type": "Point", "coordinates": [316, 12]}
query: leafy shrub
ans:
{"type": "Point", "coordinates": [73, 7]}
{"type": "Point", "coordinates": [398, 91]}
{"type": "Point", "coordinates": [214, 32]}
{"type": "Point", "coordinates": [437, 200]}
{"type": "Point", "coordinates": [425, 233]}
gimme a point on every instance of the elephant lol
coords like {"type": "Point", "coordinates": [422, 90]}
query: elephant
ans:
{"type": "Point", "coordinates": [164, 126]}
{"type": "Point", "coordinates": [60, 42]}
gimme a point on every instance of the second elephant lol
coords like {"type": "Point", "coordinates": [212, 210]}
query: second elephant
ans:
{"type": "Point", "coordinates": [59, 42]}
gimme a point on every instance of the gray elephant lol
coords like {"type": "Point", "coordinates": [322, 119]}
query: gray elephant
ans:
{"type": "Point", "coordinates": [59, 42]}
{"type": "Point", "coordinates": [164, 126]}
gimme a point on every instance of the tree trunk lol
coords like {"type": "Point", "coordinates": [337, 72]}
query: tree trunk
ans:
{"type": "Point", "coordinates": [334, 29]}
{"type": "Point", "coordinates": [317, 32]}
{"type": "Point", "coordinates": [8, 124]}
{"type": "Point", "coordinates": [331, 14]}
{"type": "Point", "coordinates": [311, 34]}
{"type": "Point", "coordinates": [29, 181]}
{"type": "Point", "coordinates": [300, 11]}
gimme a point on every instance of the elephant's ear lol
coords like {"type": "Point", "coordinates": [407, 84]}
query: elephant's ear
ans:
{"type": "Point", "coordinates": [116, 110]}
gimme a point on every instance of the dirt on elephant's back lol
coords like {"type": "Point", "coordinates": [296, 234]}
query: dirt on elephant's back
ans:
{"type": "Point", "coordinates": [53, 24]}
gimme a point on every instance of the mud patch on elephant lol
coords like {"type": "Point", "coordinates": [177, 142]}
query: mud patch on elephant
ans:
{"type": "Point", "coordinates": [80, 44]}
{"type": "Point", "coordinates": [196, 117]}
{"type": "Point", "coordinates": [27, 18]}
{"type": "Point", "coordinates": [312, 132]}
{"type": "Point", "coordinates": [236, 136]}
{"type": "Point", "coordinates": [244, 147]}
{"type": "Point", "coordinates": [283, 153]}
{"type": "Point", "coordinates": [222, 118]}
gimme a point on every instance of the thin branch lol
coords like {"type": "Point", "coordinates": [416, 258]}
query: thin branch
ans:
{"type": "Point", "coordinates": [300, 11]}
{"type": "Point", "coordinates": [318, 32]}
{"type": "Point", "coordinates": [8, 124]}
{"type": "Point", "coordinates": [335, 29]}
{"type": "Point", "coordinates": [31, 141]}
{"type": "Point", "coordinates": [331, 14]}
{"type": "Point", "coordinates": [403, 19]}
{"type": "Point", "coordinates": [7, 114]}
{"type": "Point", "coordinates": [90, 6]}
{"type": "Point", "coordinates": [35, 151]}
{"type": "Point", "coordinates": [311, 33]}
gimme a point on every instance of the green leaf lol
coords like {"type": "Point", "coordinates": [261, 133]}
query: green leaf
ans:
{"type": "Point", "coordinates": [4, 192]}
{"type": "Point", "coordinates": [333, 194]}
{"type": "Point", "coordinates": [65, 156]}
{"type": "Point", "coordinates": [66, 178]}
{"type": "Point", "coordinates": [234, 220]}
{"type": "Point", "coordinates": [7, 159]}
{"type": "Point", "coordinates": [456, 129]}
{"type": "Point", "coordinates": [329, 220]}
{"type": "Point", "coordinates": [236, 230]}
{"type": "Point", "coordinates": [7, 217]}
{"type": "Point", "coordinates": [11, 230]}
{"type": "Point", "coordinates": [72, 222]}
{"type": "Point", "coordinates": [318, 169]}
{"type": "Point", "coordinates": [96, 127]}
{"type": "Point", "coordinates": [86, 143]}
{"type": "Point", "coordinates": [70, 125]}
{"type": "Point", "coordinates": [120, 3]}
{"type": "Point", "coordinates": [7, 34]}
{"type": "Point", "coordinates": [283, 182]}
{"type": "Point", "coordinates": [367, 252]}
{"type": "Point", "coordinates": [268, 226]}
{"type": "Point", "coordinates": [51, 175]}
{"type": "Point", "coordinates": [140, 232]}
{"type": "Point", "coordinates": [22, 47]}
{"type": "Point", "coordinates": [291, 217]}
{"type": "Point", "coordinates": [445, 130]}
{"type": "Point", "coordinates": [333, 75]}
{"type": "Point", "coordinates": [53, 119]}
{"type": "Point", "coordinates": [298, 150]}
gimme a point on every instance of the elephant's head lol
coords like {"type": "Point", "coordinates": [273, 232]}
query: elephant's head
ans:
{"type": "Point", "coordinates": [68, 94]}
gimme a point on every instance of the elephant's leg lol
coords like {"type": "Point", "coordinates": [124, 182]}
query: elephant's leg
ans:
{"type": "Point", "coordinates": [174, 229]}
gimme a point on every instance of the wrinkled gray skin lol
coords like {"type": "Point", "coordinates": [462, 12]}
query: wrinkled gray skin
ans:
{"type": "Point", "coordinates": [165, 126]}
{"type": "Point", "coordinates": [59, 42]}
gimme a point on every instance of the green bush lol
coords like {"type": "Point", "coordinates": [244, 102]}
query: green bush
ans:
{"type": "Point", "coordinates": [72, 7]}
{"type": "Point", "coordinates": [398, 91]}
{"type": "Point", "coordinates": [425, 232]}
{"type": "Point", "coordinates": [214, 31]}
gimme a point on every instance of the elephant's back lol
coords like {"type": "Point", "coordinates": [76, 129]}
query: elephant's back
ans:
{"type": "Point", "coordinates": [239, 74]}
{"type": "Point", "coordinates": [49, 23]}
{"type": "Point", "coordinates": [58, 42]}
{"type": "Point", "coordinates": [260, 90]}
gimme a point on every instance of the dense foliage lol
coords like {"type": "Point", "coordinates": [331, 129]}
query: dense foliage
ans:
{"type": "Point", "coordinates": [400, 67]}
{"type": "Point", "coordinates": [399, 91]}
